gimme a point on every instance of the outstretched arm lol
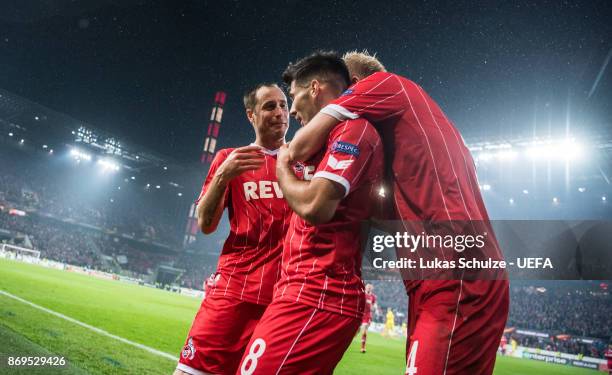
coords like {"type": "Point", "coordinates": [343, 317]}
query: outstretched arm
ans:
{"type": "Point", "coordinates": [310, 138]}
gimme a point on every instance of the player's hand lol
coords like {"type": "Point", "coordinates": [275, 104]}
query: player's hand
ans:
{"type": "Point", "coordinates": [283, 157]}
{"type": "Point", "coordinates": [240, 160]}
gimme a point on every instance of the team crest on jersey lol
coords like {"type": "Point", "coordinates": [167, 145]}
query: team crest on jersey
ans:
{"type": "Point", "coordinates": [212, 279]}
{"type": "Point", "coordinates": [303, 171]}
{"type": "Point", "coordinates": [298, 167]}
{"type": "Point", "coordinates": [345, 148]}
{"type": "Point", "coordinates": [347, 92]}
{"type": "Point", "coordinates": [189, 350]}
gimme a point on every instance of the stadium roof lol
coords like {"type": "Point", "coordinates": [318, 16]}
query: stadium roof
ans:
{"type": "Point", "coordinates": [25, 119]}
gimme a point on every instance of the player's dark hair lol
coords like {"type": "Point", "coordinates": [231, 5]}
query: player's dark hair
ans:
{"type": "Point", "coordinates": [250, 96]}
{"type": "Point", "coordinates": [323, 66]}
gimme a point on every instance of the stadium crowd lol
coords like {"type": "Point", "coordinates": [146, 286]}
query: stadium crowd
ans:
{"type": "Point", "coordinates": [562, 307]}
{"type": "Point", "coordinates": [65, 189]}
{"type": "Point", "coordinates": [86, 247]}
{"type": "Point", "coordinates": [573, 314]}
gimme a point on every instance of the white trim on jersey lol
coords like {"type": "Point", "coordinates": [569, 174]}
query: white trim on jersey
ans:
{"type": "Point", "coordinates": [338, 112]}
{"type": "Point", "coordinates": [450, 340]}
{"type": "Point", "coordinates": [365, 125]}
{"type": "Point", "coordinates": [343, 289]}
{"type": "Point", "coordinates": [265, 150]}
{"type": "Point", "coordinates": [190, 370]}
{"type": "Point", "coordinates": [334, 177]}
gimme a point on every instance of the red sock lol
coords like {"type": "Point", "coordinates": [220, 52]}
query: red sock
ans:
{"type": "Point", "coordinates": [364, 336]}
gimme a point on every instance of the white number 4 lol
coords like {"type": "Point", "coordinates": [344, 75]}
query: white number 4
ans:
{"type": "Point", "coordinates": [250, 361]}
{"type": "Point", "coordinates": [410, 369]}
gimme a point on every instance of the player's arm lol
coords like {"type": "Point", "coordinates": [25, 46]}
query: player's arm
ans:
{"type": "Point", "coordinates": [374, 98]}
{"type": "Point", "coordinates": [311, 138]}
{"type": "Point", "coordinates": [211, 206]}
{"type": "Point", "coordinates": [315, 201]}
{"type": "Point", "coordinates": [212, 202]}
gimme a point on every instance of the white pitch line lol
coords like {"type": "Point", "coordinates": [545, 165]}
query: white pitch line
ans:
{"type": "Point", "coordinates": [90, 327]}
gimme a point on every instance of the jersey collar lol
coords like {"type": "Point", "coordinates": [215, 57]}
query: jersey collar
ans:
{"type": "Point", "coordinates": [265, 150]}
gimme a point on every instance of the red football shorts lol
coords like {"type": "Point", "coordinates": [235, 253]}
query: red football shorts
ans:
{"type": "Point", "coordinates": [367, 319]}
{"type": "Point", "coordinates": [455, 326]}
{"type": "Point", "coordinates": [219, 335]}
{"type": "Point", "coordinates": [293, 338]}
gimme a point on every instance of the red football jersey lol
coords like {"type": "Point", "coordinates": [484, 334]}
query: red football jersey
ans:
{"type": "Point", "coordinates": [433, 173]}
{"type": "Point", "coordinates": [249, 264]}
{"type": "Point", "coordinates": [321, 264]}
{"type": "Point", "coordinates": [370, 301]}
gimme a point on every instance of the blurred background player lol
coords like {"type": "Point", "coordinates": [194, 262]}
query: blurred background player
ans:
{"type": "Point", "coordinates": [502, 345]}
{"type": "Point", "coordinates": [389, 329]}
{"type": "Point", "coordinates": [513, 345]}
{"type": "Point", "coordinates": [434, 183]}
{"type": "Point", "coordinates": [244, 181]}
{"type": "Point", "coordinates": [370, 307]}
{"type": "Point", "coordinates": [318, 303]}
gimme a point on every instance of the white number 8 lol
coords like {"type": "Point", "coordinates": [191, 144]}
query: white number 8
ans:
{"type": "Point", "coordinates": [250, 361]}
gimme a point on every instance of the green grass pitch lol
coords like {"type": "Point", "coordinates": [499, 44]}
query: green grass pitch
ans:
{"type": "Point", "coordinates": [147, 316]}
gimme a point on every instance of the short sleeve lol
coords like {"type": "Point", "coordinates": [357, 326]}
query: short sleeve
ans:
{"type": "Point", "coordinates": [351, 146]}
{"type": "Point", "coordinates": [214, 165]}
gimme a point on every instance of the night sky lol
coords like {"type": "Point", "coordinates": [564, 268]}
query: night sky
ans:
{"type": "Point", "coordinates": [148, 71]}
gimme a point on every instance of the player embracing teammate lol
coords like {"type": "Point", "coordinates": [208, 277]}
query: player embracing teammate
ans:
{"type": "Point", "coordinates": [454, 324]}
{"type": "Point", "coordinates": [328, 177]}
{"type": "Point", "coordinates": [319, 300]}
